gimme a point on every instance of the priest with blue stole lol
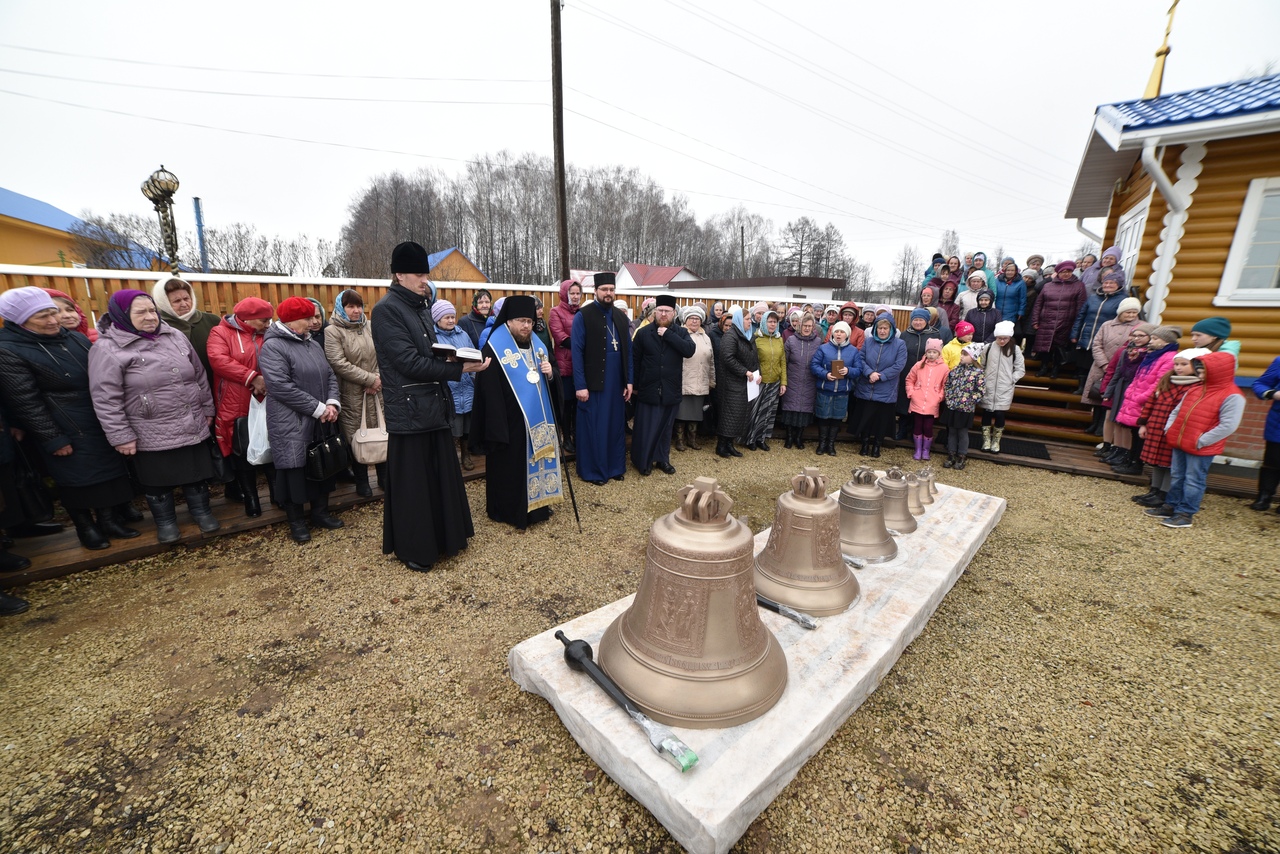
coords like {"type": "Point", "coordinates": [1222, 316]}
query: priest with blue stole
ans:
{"type": "Point", "coordinates": [512, 422]}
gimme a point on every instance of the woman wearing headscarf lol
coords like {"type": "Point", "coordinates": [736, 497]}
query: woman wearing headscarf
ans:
{"type": "Point", "coordinates": [302, 394]}
{"type": "Point", "coordinates": [233, 355]}
{"type": "Point", "coordinates": [348, 347]}
{"type": "Point", "coordinates": [561, 323]}
{"type": "Point", "coordinates": [947, 302]}
{"type": "Point", "coordinates": [179, 308]}
{"type": "Point", "coordinates": [697, 381]}
{"type": "Point", "coordinates": [44, 387]}
{"type": "Point", "coordinates": [980, 266]}
{"type": "Point", "coordinates": [736, 366]}
{"type": "Point", "coordinates": [151, 395]}
{"type": "Point", "coordinates": [1056, 309]}
{"type": "Point", "coordinates": [884, 358]}
{"type": "Point", "coordinates": [319, 322]}
{"type": "Point", "coordinates": [1100, 306]}
{"type": "Point", "coordinates": [773, 382]}
{"type": "Point", "coordinates": [70, 315]}
{"type": "Point", "coordinates": [473, 323]}
{"type": "Point", "coordinates": [800, 399]}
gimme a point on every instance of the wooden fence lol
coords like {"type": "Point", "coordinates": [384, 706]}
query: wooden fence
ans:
{"type": "Point", "coordinates": [218, 294]}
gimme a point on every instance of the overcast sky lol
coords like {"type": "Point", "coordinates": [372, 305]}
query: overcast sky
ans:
{"type": "Point", "coordinates": [895, 121]}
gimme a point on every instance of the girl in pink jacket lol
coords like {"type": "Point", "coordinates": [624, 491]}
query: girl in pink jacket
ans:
{"type": "Point", "coordinates": [925, 384]}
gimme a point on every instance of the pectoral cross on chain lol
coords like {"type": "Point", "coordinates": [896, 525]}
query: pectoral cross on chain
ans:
{"type": "Point", "coordinates": [510, 359]}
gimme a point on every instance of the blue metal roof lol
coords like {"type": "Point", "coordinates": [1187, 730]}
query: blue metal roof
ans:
{"type": "Point", "coordinates": [27, 209]}
{"type": "Point", "coordinates": [436, 257]}
{"type": "Point", "coordinates": [1239, 98]}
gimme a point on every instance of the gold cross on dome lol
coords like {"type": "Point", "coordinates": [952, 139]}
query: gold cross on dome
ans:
{"type": "Point", "coordinates": [509, 358]}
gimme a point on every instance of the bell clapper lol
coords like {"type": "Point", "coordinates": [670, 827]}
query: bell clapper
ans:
{"type": "Point", "coordinates": [577, 655]}
{"type": "Point", "coordinates": [786, 611]}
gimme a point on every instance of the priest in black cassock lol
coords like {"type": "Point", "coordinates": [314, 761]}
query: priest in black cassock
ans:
{"type": "Point", "coordinates": [512, 422]}
{"type": "Point", "coordinates": [658, 353]}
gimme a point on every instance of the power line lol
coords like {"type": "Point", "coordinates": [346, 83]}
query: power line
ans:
{"type": "Point", "coordinates": [270, 95]}
{"type": "Point", "coordinates": [1002, 131]}
{"type": "Point", "coordinates": [151, 64]}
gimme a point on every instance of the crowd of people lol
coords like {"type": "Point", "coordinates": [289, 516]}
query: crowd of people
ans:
{"type": "Point", "coordinates": [159, 398]}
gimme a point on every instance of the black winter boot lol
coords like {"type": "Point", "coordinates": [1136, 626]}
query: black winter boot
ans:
{"type": "Point", "coordinates": [1268, 479]}
{"type": "Point", "coordinates": [362, 480]}
{"type": "Point", "coordinates": [875, 449]}
{"type": "Point", "coordinates": [197, 496]}
{"type": "Point", "coordinates": [297, 524]}
{"type": "Point", "coordinates": [128, 513]}
{"type": "Point", "coordinates": [109, 523]}
{"type": "Point", "coordinates": [248, 481]}
{"type": "Point", "coordinates": [833, 433]}
{"type": "Point", "coordinates": [91, 536]}
{"type": "Point", "coordinates": [721, 449]}
{"type": "Point", "coordinates": [166, 517]}
{"type": "Point", "coordinates": [320, 514]}
{"type": "Point", "coordinates": [800, 438]}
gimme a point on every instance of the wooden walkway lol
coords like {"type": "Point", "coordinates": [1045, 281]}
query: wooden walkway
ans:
{"type": "Point", "coordinates": [60, 554]}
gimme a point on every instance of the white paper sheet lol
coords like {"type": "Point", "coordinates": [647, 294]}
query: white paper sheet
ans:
{"type": "Point", "coordinates": [753, 387]}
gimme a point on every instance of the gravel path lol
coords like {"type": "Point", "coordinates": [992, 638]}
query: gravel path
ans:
{"type": "Point", "coordinates": [1093, 682]}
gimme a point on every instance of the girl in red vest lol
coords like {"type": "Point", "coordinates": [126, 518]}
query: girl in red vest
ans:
{"type": "Point", "coordinates": [1198, 429]}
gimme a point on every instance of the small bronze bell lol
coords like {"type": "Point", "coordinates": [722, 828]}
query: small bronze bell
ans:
{"type": "Point", "coordinates": [933, 481]}
{"type": "Point", "coordinates": [914, 484]}
{"type": "Point", "coordinates": [691, 650]}
{"type": "Point", "coordinates": [801, 564]}
{"type": "Point", "coordinates": [896, 514]}
{"type": "Point", "coordinates": [926, 485]}
{"type": "Point", "coordinates": [862, 528]}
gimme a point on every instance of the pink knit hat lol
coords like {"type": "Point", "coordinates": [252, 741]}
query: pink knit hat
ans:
{"type": "Point", "coordinates": [933, 344]}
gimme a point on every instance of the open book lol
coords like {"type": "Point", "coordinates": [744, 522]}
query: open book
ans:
{"type": "Point", "coordinates": [462, 354]}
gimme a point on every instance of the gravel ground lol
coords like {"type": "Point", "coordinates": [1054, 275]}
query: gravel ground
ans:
{"type": "Point", "coordinates": [1094, 682]}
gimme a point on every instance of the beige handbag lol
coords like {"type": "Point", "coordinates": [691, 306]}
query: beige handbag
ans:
{"type": "Point", "coordinates": [369, 444]}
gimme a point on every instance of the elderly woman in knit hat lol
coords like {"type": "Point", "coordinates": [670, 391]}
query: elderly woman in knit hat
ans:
{"type": "Point", "coordinates": [233, 355]}
{"type": "Point", "coordinates": [699, 378]}
{"type": "Point", "coordinates": [348, 345]}
{"type": "Point", "coordinates": [1115, 383]}
{"type": "Point", "coordinates": [1108, 338]}
{"type": "Point", "coordinates": [302, 398]}
{"type": "Point", "coordinates": [449, 332]}
{"type": "Point", "coordinates": [152, 397]}
{"type": "Point", "coordinates": [179, 307]}
{"type": "Point", "coordinates": [44, 387]}
{"type": "Point", "coordinates": [1100, 306]}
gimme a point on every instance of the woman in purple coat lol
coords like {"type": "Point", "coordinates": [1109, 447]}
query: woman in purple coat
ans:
{"type": "Point", "coordinates": [797, 403]}
{"type": "Point", "coordinates": [151, 395]}
{"type": "Point", "coordinates": [1055, 313]}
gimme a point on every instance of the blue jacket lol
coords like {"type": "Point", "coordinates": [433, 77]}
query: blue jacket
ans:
{"type": "Point", "coordinates": [464, 390]}
{"type": "Point", "coordinates": [888, 359]}
{"type": "Point", "coordinates": [1098, 308]}
{"type": "Point", "coordinates": [1011, 299]}
{"type": "Point", "coordinates": [820, 366]}
{"type": "Point", "coordinates": [1270, 381]}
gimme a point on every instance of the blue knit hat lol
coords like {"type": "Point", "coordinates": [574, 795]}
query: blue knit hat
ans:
{"type": "Point", "coordinates": [921, 312]}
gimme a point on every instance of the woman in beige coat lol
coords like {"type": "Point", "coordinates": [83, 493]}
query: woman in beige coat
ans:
{"type": "Point", "coordinates": [348, 345]}
{"type": "Point", "coordinates": [1110, 337]}
{"type": "Point", "coordinates": [698, 380]}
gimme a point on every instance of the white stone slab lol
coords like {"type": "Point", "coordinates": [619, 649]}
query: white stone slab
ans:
{"type": "Point", "coordinates": [831, 671]}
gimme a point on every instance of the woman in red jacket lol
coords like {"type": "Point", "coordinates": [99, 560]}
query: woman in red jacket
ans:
{"type": "Point", "coordinates": [233, 357]}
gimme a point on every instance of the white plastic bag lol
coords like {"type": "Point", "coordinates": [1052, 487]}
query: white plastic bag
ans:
{"type": "Point", "coordinates": [259, 450]}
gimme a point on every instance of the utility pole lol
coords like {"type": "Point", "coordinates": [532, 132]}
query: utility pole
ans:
{"type": "Point", "coordinates": [557, 129]}
{"type": "Point", "coordinates": [742, 234]}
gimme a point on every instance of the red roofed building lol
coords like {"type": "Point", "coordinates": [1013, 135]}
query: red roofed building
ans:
{"type": "Point", "coordinates": [653, 276]}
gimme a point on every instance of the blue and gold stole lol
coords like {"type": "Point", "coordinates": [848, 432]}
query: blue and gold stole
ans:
{"type": "Point", "coordinates": [542, 477]}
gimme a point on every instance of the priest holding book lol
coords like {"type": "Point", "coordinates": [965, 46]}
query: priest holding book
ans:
{"type": "Point", "coordinates": [513, 423]}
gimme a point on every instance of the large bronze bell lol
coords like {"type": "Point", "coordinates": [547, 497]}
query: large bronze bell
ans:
{"type": "Point", "coordinates": [801, 564]}
{"type": "Point", "coordinates": [897, 516]}
{"type": "Point", "coordinates": [691, 650]}
{"type": "Point", "coordinates": [862, 528]}
{"type": "Point", "coordinates": [914, 484]}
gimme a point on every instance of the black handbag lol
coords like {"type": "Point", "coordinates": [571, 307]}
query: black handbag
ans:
{"type": "Point", "coordinates": [222, 472]}
{"type": "Point", "coordinates": [326, 457]}
{"type": "Point", "coordinates": [240, 436]}
{"type": "Point", "coordinates": [33, 498]}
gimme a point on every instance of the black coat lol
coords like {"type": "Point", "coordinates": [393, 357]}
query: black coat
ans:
{"type": "Point", "coordinates": [414, 394]}
{"type": "Point", "coordinates": [473, 324]}
{"type": "Point", "coordinates": [658, 366]}
{"type": "Point", "coordinates": [737, 356]}
{"type": "Point", "coordinates": [44, 383]}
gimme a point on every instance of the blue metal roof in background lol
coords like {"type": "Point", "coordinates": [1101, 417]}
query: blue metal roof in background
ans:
{"type": "Point", "coordinates": [436, 257]}
{"type": "Point", "coordinates": [27, 209]}
{"type": "Point", "coordinates": [1241, 97]}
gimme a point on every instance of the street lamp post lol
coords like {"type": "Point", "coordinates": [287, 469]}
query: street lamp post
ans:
{"type": "Point", "coordinates": [159, 190]}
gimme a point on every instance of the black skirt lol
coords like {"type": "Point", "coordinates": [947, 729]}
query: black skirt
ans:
{"type": "Point", "coordinates": [174, 467]}
{"type": "Point", "coordinates": [97, 495]}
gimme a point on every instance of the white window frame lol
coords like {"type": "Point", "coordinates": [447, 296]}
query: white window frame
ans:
{"type": "Point", "coordinates": [1229, 291]}
{"type": "Point", "coordinates": [1133, 221]}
